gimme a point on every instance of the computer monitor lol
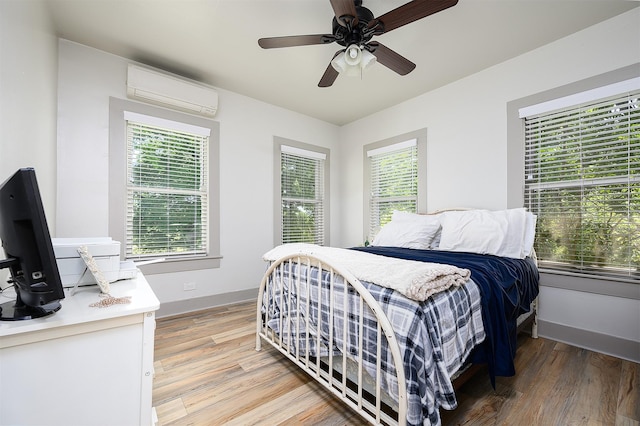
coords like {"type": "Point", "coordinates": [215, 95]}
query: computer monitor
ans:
{"type": "Point", "coordinates": [29, 253]}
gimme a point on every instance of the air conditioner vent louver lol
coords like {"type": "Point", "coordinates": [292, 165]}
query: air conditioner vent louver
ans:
{"type": "Point", "coordinates": [166, 90]}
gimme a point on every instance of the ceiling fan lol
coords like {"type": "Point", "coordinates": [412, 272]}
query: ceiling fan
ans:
{"type": "Point", "coordinates": [353, 27]}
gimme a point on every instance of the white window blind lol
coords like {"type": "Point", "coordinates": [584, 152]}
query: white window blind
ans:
{"type": "Point", "coordinates": [582, 179]}
{"type": "Point", "coordinates": [394, 182]}
{"type": "Point", "coordinates": [302, 195]}
{"type": "Point", "coordinates": [167, 191]}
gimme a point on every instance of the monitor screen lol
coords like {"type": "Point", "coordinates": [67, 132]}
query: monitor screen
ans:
{"type": "Point", "coordinates": [29, 253]}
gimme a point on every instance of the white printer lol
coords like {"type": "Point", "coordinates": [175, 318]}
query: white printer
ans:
{"type": "Point", "coordinates": [104, 250]}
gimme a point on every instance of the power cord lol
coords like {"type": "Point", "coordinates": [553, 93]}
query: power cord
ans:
{"type": "Point", "coordinates": [3, 289]}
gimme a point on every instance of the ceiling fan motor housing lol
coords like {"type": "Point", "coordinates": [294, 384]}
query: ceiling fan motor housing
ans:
{"type": "Point", "coordinates": [358, 34]}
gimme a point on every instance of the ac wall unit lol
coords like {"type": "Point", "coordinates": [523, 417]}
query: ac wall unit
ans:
{"type": "Point", "coordinates": [165, 90]}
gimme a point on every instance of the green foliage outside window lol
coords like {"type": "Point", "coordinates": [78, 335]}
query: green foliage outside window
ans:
{"type": "Point", "coordinates": [302, 199]}
{"type": "Point", "coordinates": [166, 181]}
{"type": "Point", "coordinates": [394, 185]}
{"type": "Point", "coordinates": [583, 181]}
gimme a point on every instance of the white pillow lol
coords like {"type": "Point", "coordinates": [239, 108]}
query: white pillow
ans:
{"type": "Point", "coordinates": [408, 230]}
{"type": "Point", "coordinates": [500, 233]}
{"type": "Point", "coordinates": [529, 235]}
{"type": "Point", "coordinates": [430, 222]}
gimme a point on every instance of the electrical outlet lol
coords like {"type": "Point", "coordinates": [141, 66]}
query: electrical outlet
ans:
{"type": "Point", "coordinates": [189, 286]}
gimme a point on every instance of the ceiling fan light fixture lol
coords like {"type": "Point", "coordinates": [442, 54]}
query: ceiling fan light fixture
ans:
{"type": "Point", "coordinates": [353, 61]}
{"type": "Point", "coordinates": [368, 60]}
{"type": "Point", "coordinates": [353, 55]}
{"type": "Point", "coordinates": [339, 63]}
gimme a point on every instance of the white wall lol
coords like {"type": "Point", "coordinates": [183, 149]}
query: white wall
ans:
{"type": "Point", "coordinates": [466, 125]}
{"type": "Point", "coordinates": [87, 78]}
{"type": "Point", "coordinates": [28, 73]}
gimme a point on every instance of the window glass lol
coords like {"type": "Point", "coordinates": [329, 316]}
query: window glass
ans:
{"type": "Point", "coordinates": [582, 179]}
{"type": "Point", "coordinates": [393, 174]}
{"type": "Point", "coordinates": [167, 192]}
{"type": "Point", "coordinates": [302, 191]}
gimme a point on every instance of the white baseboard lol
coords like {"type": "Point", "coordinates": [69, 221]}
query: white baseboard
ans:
{"type": "Point", "coordinates": [598, 342]}
{"type": "Point", "coordinates": [178, 307]}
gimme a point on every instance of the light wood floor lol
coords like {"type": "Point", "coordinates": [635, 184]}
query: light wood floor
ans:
{"type": "Point", "coordinates": [208, 373]}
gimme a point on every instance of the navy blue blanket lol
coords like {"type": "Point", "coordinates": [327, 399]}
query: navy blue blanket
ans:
{"type": "Point", "coordinates": [507, 287]}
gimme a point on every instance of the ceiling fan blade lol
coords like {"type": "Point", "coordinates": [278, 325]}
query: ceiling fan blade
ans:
{"type": "Point", "coordinates": [391, 59]}
{"type": "Point", "coordinates": [330, 74]}
{"type": "Point", "coordinates": [410, 12]}
{"type": "Point", "coordinates": [343, 9]}
{"type": "Point", "coordinates": [292, 41]}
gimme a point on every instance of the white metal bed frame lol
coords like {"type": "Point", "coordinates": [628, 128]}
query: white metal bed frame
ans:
{"type": "Point", "coordinates": [352, 393]}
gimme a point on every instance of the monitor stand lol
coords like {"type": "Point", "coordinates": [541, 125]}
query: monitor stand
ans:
{"type": "Point", "coordinates": [15, 310]}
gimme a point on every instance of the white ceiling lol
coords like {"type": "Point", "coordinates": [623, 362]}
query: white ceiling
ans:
{"type": "Point", "coordinates": [215, 41]}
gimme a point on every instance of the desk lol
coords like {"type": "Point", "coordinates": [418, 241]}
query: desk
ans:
{"type": "Point", "coordinates": [82, 365]}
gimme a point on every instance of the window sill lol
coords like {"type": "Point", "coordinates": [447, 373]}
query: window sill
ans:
{"type": "Point", "coordinates": [609, 286]}
{"type": "Point", "coordinates": [181, 265]}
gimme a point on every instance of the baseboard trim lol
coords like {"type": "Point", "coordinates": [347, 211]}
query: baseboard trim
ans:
{"type": "Point", "coordinates": [598, 342]}
{"type": "Point", "coordinates": [178, 307]}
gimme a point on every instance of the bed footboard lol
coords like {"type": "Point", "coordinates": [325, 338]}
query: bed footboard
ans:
{"type": "Point", "coordinates": [322, 318]}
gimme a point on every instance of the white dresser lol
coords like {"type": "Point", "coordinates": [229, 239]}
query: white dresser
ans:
{"type": "Point", "coordinates": [82, 365]}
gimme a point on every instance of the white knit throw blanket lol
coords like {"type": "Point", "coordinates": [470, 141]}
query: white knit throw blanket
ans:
{"type": "Point", "coordinates": [416, 280]}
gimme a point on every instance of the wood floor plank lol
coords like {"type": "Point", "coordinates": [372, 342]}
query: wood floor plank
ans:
{"type": "Point", "coordinates": [231, 400]}
{"type": "Point", "coordinates": [179, 348]}
{"type": "Point", "coordinates": [281, 408]}
{"type": "Point", "coordinates": [628, 406]}
{"type": "Point", "coordinates": [329, 411]}
{"type": "Point", "coordinates": [554, 384]}
{"type": "Point", "coordinates": [599, 381]}
{"type": "Point", "coordinates": [235, 332]}
{"type": "Point", "coordinates": [209, 373]}
{"type": "Point", "coordinates": [171, 411]}
{"type": "Point", "coordinates": [171, 386]}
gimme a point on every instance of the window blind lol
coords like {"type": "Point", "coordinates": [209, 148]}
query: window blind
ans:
{"type": "Point", "coordinates": [394, 182]}
{"type": "Point", "coordinates": [582, 179]}
{"type": "Point", "coordinates": [302, 195]}
{"type": "Point", "coordinates": [167, 192]}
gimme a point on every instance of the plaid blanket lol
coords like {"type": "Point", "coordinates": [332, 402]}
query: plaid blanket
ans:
{"type": "Point", "coordinates": [507, 288]}
{"type": "Point", "coordinates": [435, 336]}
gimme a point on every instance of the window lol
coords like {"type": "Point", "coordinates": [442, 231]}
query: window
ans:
{"type": "Point", "coordinates": [394, 178]}
{"type": "Point", "coordinates": [164, 186]}
{"type": "Point", "coordinates": [582, 179]}
{"type": "Point", "coordinates": [167, 188]}
{"type": "Point", "coordinates": [302, 185]}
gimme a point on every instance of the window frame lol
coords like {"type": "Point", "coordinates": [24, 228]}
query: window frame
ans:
{"type": "Point", "coordinates": [575, 156]}
{"type": "Point", "coordinates": [118, 180]}
{"type": "Point", "coordinates": [590, 283]}
{"type": "Point", "coordinates": [421, 202]}
{"type": "Point", "coordinates": [278, 143]}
